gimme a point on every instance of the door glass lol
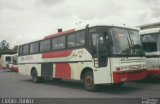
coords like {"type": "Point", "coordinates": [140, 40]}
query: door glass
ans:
{"type": "Point", "coordinates": [102, 47]}
{"type": "Point", "coordinates": [99, 49]}
{"type": "Point", "coordinates": [94, 43]}
{"type": "Point", "coordinates": [102, 51]}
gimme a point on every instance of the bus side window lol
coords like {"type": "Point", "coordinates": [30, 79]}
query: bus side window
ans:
{"type": "Point", "coordinates": [54, 43]}
{"type": "Point", "coordinates": [34, 47]}
{"type": "Point", "coordinates": [80, 38]}
{"type": "Point", "coordinates": [45, 45]}
{"type": "Point", "coordinates": [20, 50]}
{"type": "Point", "coordinates": [71, 40]}
{"type": "Point", "coordinates": [58, 43]}
{"type": "Point", "coordinates": [41, 46]}
{"type": "Point", "coordinates": [26, 49]}
{"type": "Point", "coordinates": [61, 42]}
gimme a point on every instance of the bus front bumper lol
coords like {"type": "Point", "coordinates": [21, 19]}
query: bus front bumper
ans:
{"type": "Point", "coordinates": [154, 72]}
{"type": "Point", "coordinates": [131, 75]}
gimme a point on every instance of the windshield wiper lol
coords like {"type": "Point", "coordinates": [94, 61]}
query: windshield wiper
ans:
{"type": "Point", "coordinates": [129, 48]}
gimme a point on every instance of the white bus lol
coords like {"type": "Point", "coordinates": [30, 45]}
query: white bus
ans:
{"type": "Point", "coordinates": [13, 66]}
{"type": "Point", "coordinates": [96, 55]}
{"type": "Point", "coordinates": [150, 38]}
{"type": "Point", "coordinates": [5, 61]}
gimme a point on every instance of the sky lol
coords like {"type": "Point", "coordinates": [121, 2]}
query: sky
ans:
{"type": "Point", "coordinates": [23, 21]}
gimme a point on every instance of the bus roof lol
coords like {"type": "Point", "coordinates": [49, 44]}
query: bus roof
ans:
{"type": "Point", "coordinates": [6, 55]}
{"type": "Point", "coordinates": [149, 26]}
{"type": "Point", "coordinates": [59, 33]}
{"type": "Point", "coordinates": [149, 31]}
{"type": "Point", "coordinates": [73, 30]}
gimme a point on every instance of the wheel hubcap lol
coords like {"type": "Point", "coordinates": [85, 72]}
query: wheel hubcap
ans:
{"type": "Point", "coordinates": [89, 82]}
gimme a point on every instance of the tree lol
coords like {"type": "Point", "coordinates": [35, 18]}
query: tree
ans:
{"type": "Point", "coordinates": [4, 48]}
{"type": "Point", "coordinates": [4, 45]}
{"type": "Point", "coordinates": [15, 48]}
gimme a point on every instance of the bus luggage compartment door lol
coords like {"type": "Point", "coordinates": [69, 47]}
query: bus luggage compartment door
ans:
{"type": "Point", "coordinates": [47, 69]}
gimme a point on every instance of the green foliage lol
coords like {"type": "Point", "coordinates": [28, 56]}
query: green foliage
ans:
{"type": "Point", "coordinates": [4, 48]}
{"type": "Point", "coordinates": [15, 48]}
{"type": "Point", "coordinates": [4, 45]}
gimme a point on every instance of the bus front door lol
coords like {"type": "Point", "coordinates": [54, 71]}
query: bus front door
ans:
{"type": "Point", "coordinates": [99, 50]}
{"type": "Point", "coordinates": [100, 58]}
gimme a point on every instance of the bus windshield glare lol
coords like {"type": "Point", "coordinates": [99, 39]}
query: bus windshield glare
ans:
{"type": "Point", "coordinates": [126, 41]}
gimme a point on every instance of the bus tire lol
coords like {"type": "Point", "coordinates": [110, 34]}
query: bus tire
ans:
{"type": "Point", "coordinates": [35, 77]}
{"type": "Point", "coordinates": [88, 82]}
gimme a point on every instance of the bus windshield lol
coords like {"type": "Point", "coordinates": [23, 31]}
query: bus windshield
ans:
{"type": "Point", "coordinates": [150, 42]}
{"type": "Point", "coordinates": [126, 41]}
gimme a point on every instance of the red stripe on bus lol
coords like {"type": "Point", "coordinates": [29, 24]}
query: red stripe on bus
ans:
{"type": "Point", "coordinates": [15, 69]}
{"type": "Point", "coordinates": [56, 54]}
{"type": "Point", "coordinates": [63, 71]}
{"type": "Point", "coordinates": [59, 33]}
{"type": "Point", "coordinates": [153, 72]}
{"type": "Point", "coordinates": [3, 68]}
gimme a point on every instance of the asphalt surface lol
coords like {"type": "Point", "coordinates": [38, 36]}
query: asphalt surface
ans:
{"type": "Point", "coordinates": [13, 84]}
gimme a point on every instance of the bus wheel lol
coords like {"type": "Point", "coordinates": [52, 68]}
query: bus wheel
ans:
{"type": "Point", "coordinates": [88, 82]}
{"type": "Point", "coordinates": [35, 77]}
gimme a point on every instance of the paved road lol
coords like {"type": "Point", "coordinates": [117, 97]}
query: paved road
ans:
{"type": "Point", "coordinates": [16, 85]}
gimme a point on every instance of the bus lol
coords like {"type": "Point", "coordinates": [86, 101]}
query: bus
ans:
{"type": "Point", "coordinates": [95, 55]}
{"type": "Point", "coordinates": [13, 66]}
{"type": "Point", "coordinates": [150, 37]}
{"type": "Point", "coordinates": [5, 61]}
